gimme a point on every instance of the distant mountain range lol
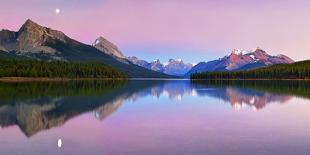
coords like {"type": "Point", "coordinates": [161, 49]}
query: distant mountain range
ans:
{"type": "Point", "coordinates": [173, 67]}
{"type": "Point", "coordinates": [42, 43]}
{"type": "Point", "coordinates": [238, 60]}
{"type": "Point", "coordinates": [241, 60]}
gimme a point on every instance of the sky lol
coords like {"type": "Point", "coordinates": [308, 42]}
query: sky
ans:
{"type": "Point", "coordinates": [193, 30]}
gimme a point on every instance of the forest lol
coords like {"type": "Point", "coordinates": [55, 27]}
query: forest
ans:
{"type": "Point", "coordinates": [16, 67]}
{"type": "Point", "coordinates": [298, 70]}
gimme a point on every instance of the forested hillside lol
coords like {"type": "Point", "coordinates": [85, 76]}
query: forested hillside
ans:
{"type": "Point", "coordinates": [21, 67]}
{"type": "Point", "coordinates": [298, 70]}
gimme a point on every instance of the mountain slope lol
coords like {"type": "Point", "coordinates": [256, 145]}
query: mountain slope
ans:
{"type": "Point", "coordinates": [157, 66]}
{"type": "Point", "coordinates": [138, 61]}
{"type": "Point", "coordinates": [239, 60]}
{"type": "Point", "coordinates": [41, 43]}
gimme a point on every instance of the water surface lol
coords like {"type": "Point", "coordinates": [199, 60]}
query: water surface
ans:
{"type": "Point", "coordinates": [155, 118]}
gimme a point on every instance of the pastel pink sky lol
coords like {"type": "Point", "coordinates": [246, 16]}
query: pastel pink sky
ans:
{"type": "Point", "coordinates": [194, 30]}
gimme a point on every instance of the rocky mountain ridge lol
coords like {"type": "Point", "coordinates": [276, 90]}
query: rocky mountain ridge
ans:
{"type": "Point", "coordinates": [239, 60]}
{"type": "Point", "coordinates": [107, 47]}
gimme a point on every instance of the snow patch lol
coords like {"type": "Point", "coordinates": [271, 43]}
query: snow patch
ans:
{"type": "Point", "coordinates": [156, 60]}
{"type": "Point", "coordinates": [237, 51]}
{"type": "Point", "coordinates": [254, 58]}
{"type": "Point", "coordinates": [254, 49]}
{"type": "Point", "coordinates": [97, 42]}
{"type": "Point", "coordinates": [240, 52]}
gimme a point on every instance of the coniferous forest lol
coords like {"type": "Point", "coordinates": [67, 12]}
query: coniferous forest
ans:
{"type": "Point", "coordinates": [12, 67]}
{"type": "Point", "coordinates": [298, 70]}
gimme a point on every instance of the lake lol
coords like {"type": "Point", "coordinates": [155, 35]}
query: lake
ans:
{"type": "Point", "coordinates": [155, 117]}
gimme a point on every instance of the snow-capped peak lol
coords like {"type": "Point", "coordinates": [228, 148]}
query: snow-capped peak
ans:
{"type": "Point", "coordinates": [237, 51]}
{"type": "Point", "coordinates": [166, 63]}
{"type": "Point", "coordinates": [252, 56]}
{"type": "Point", "coordinates": [107, 47]}
{"type": "Point", "coordinates": [240, 52]}
{"type": "Point", "coordinates": [156, 61]}
{"type": "Point", "coordinates": [255, 49]}
{"type": "Point", "coordinates": [175, 60]}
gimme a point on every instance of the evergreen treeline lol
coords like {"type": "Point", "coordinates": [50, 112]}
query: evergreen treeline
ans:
{"type": "Point", "coordinates": [10, 67]}
{"type": "Point", "coordinates": [299, 70]}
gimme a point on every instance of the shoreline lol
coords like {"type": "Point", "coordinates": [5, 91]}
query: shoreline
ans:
{"type": "Point", "coordinates": [250, 79]}
{"type": "Point", "coordinates": [44, 79]}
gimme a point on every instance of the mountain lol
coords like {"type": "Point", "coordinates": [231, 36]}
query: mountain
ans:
{"type": "Point", "coordinates": [42, 43]}
{"type": "Point", "coordinates": [173, 67]}
{"type": "Point", "coordinates": [156, 65]}
{"type": "Point", "coordinates": [31, 40]}
{"type": "Point", "coordinates": [107, 47]}
{"type": "Point", "coordinates": [298, 70]}
{"type": "Point", "coordinates": [241, 60]}
{"type": "Point", "coordinates": [177, 67]}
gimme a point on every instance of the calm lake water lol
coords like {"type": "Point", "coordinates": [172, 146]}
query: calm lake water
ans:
{"type": "Point", "coordinates": [155, 118]}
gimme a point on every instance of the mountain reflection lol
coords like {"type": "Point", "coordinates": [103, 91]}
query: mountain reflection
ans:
{"type": "Point", "coordinates": [241, 98]}
{"type": "Point", "coordinates": [254, 94]}
{"type": "Point", "coordinates": [35, 107]}
{"type": "Point", "coordinates": [174, 90]}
